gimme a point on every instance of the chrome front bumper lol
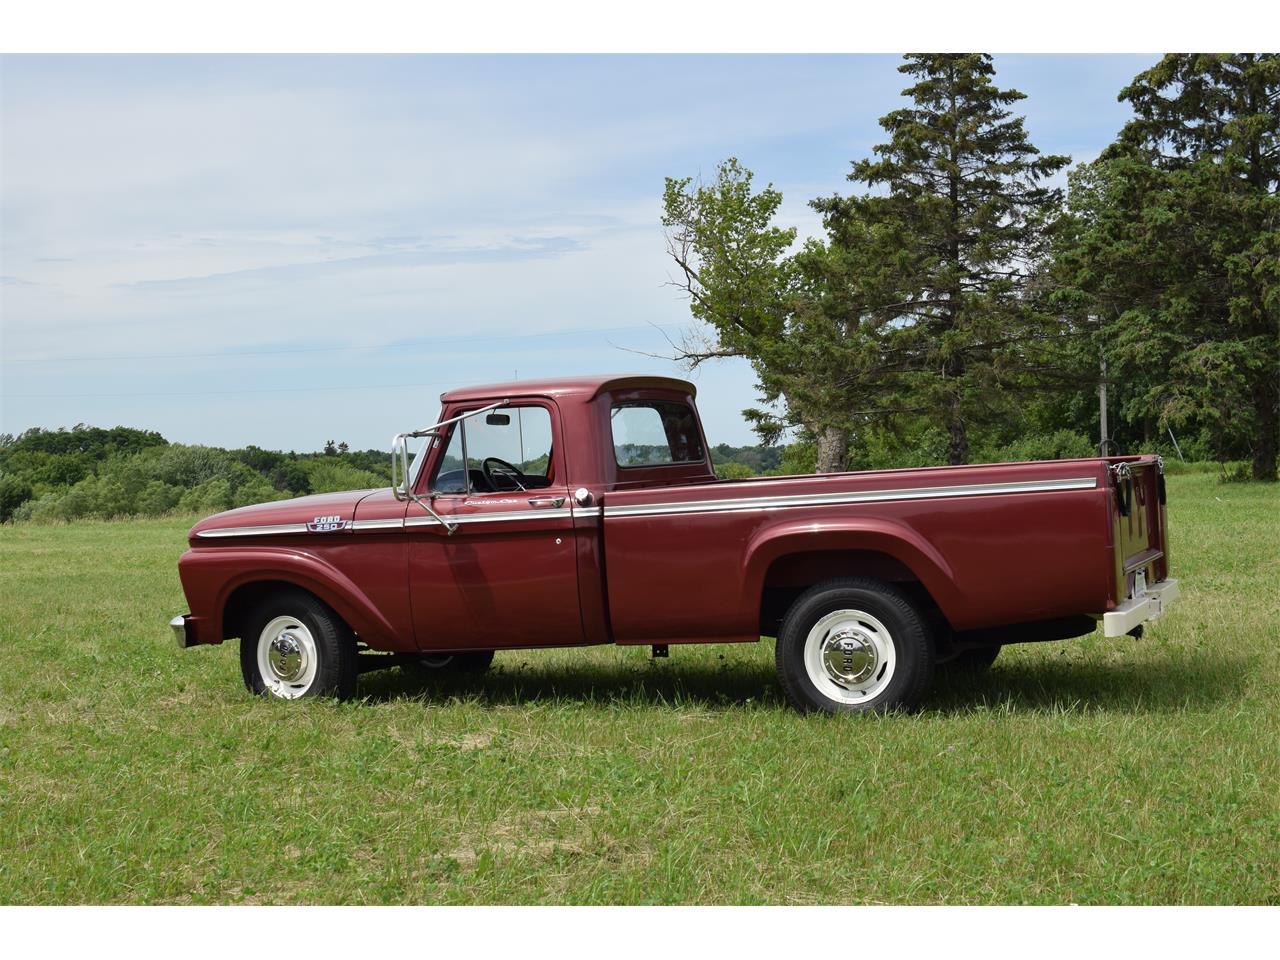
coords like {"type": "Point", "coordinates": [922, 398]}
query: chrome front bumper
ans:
{"type": "Point", "coordinates": [184, 637]}
{"type": "Point", "coordinates": [1134, 612]}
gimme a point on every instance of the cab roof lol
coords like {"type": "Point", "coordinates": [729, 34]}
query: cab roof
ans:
{"type": "Point", "coordinates": [582, 388]}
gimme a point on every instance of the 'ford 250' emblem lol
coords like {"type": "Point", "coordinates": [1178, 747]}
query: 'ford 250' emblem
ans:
{"type": "Point", "coordinates": [327, 524]}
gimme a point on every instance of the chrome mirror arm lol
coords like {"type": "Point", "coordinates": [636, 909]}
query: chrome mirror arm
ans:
{"type": "Point", "coordinates": [403, 489]}
{"type": "Point", "coordinates": [452, 528]}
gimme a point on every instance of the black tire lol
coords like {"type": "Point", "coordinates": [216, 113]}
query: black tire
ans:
{"type": "Point", "coordinates": [430, 665]}
{"type": "Point", "coordinates": [323, 635]}
{"type": "Point", "coordinates": [902, 683]}
{"type": "Point", "coordinates": [971, 662]}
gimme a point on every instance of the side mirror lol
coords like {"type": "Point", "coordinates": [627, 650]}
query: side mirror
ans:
{"type": "Point", "coordinates": [400, 466]}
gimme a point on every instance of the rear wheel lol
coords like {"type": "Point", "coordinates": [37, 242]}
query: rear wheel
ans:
{"type": "Point", "coordinates": [434, 664]}
{"type": "Point", "coordinates": [854, 646]}
{"type": "Point", "coordinates": [295, 646]}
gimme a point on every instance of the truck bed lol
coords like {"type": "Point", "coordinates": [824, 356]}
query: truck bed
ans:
{"type": "Point", "coordinates": [992, 544]}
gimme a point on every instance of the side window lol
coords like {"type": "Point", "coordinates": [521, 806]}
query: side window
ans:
{"type": "Point", "coordinates": [508, 449]}
{"type": "Point", "coordinates": [655, 432]}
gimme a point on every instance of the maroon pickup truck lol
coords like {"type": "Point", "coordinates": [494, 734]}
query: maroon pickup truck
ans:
{"type": "Point", "coordinates": [583, 511]}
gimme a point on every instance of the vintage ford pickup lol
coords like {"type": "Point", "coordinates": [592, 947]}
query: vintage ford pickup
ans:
{"type": "Point", "coordinates": [586, 511]}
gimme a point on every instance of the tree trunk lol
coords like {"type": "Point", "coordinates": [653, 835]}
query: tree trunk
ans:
{"type": "Point", "coordinates": [1264, 447]}
{"type": "Point", "coordinates": [957, 435]}
{"type": "Point", "coordinates": [833, 450]}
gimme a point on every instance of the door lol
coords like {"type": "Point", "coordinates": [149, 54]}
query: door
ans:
{"type": "Point", "coordinates": [507, 576]}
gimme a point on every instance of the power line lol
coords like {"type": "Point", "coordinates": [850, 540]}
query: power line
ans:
{"type": "Point", "coordinates": [232, 393]}
{"type": "Point", "coordinates": [443, 341]}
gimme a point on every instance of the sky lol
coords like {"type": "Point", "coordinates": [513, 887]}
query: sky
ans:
{"type": "Point", "coordinates": [283, 250]}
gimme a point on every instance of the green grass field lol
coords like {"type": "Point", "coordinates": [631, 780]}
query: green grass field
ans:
{"type": "Point", "coordinates": [1088, 771]}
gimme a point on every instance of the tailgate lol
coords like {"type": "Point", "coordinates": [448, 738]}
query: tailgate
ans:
{"type": "Point", "coordinates": [1139, 530]}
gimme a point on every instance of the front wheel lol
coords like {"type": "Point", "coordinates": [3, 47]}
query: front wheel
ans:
{"type": "Point", "coordinates": [295, 646]}
{"type": "Point", "coordinates": [854, 645]}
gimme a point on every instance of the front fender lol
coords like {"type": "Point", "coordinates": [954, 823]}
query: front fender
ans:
{"type": "Point", "coordinates": [879, 535]}
{"type": "Point", "coordinates": [211, 574]}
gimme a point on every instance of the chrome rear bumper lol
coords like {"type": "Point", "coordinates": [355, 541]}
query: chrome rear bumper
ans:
{"type": "Point", "coordinates": [184, 637]}
{"type": "Point", "coordinates": [1137, 611]}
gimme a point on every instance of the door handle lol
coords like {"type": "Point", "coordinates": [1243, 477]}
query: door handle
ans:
{"type": "Point", "coordinates": [546, 501]}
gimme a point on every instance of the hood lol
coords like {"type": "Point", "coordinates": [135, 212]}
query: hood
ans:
{"type": "Point", "coordinates": [277, 512]}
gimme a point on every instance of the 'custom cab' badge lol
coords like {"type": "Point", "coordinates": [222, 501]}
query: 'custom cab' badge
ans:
{"type": "Point", "coordinates": [327, 524]}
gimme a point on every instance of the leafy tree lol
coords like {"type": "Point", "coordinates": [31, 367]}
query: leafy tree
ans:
{"type": "Point", "coordinates": [966, 185]}
{"type": "Point", "coordinates": [13, 492]}
{"type": "Point", "coordinates": [919, 303]}
{"type": "Point", "coordinates": [264, 461]}
{"type": "Point", "coordinates": [95, 442]}
{"type": "Point", "coordinates": [290, 476]}
{"type": "Point", "coordinates": [808, 321]}
{"type": "Point", "coordinates": [1176, 250]}
{"type": "Point", "coordinates": [758, 459]}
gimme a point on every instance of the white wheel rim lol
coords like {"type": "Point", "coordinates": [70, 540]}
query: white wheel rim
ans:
{"type": "Point", "coordinates": [850, 656]}
{"type": "Point", "coordinates": [287, 658]}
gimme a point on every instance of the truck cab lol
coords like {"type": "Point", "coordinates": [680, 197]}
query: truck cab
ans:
{"type": "Point", "coordinates": [587, 511]}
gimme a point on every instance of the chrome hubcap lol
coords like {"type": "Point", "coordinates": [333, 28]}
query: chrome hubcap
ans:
{"type": "Point", "coordinates": [286, 657]}
{"type": "Point", "coordinates": [849, 656]}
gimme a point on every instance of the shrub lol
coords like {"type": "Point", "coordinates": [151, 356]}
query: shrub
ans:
{"type": "Point", "coordinates": [797, 458]}
{"type": "Point", "coordinates": [212, 496]}
{"type": "Point", "coordinates": [157, 499]}
{"type": "Point", "coordinates": [39, 508]}
{"type": "Point", "coordinates": [13, 493]}
{"type": "Point", "coordinates": [733, 471]}
{"type": "Point", "coordinates": [1175, 466]}
{"type": "Point", "coordinates": [188, 467]}
{"type": "Point", "coordinates": [1060, 445]}
{"type": "Point", "coordinates": [329, 475]}
{"type": "Point", "coordinates": [1235, 471]}
{"type": "Point", "coordinates": [256, 489]}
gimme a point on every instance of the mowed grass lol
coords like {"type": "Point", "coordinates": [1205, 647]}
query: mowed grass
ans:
{"type": "Point", "coordinates": [1088, 771]}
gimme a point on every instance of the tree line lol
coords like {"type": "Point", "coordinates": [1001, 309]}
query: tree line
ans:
{"type": "Point", "coordinates": [85, 471]}
{"type": "Point", "coordinates": [95, 472]}
{"type": "Point", "coordinates": [960, 305]}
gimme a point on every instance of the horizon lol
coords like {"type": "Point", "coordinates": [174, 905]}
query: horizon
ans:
{"type": "Point", "coordinates": [200, 245]}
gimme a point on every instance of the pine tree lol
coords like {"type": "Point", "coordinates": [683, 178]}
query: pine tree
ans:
{"type": "Point", "coordinates": [1198, 227]}
{"type": "Point", "coordinates": [967, 185]}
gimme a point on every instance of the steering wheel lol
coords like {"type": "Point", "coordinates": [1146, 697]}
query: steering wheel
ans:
{"type": "Point", "coordinates": [506, 470]}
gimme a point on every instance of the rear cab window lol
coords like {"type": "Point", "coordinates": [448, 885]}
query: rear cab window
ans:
{"type": "Point", "coordinates": [651, 433]}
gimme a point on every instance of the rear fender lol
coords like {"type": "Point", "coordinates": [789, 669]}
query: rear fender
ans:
{"type": "Point", "coordinates": [213, 574]}
{"type": "Point", "coordinates": [894, 539]}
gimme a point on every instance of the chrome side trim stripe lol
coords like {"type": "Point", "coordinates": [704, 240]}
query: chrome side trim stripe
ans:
{"type": "Point", "coordinates": [863, 496]}
{"type": "Point", "coordinates": [393, 523]}
{"type": "Point", "coordinates": [274, 530]}
{"type": "Point", "coordinates": [490, 517]}
{"type": "Point", "coordinates": [362, 526]}
{"type": "Point", "coordinates": [682, 507]}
